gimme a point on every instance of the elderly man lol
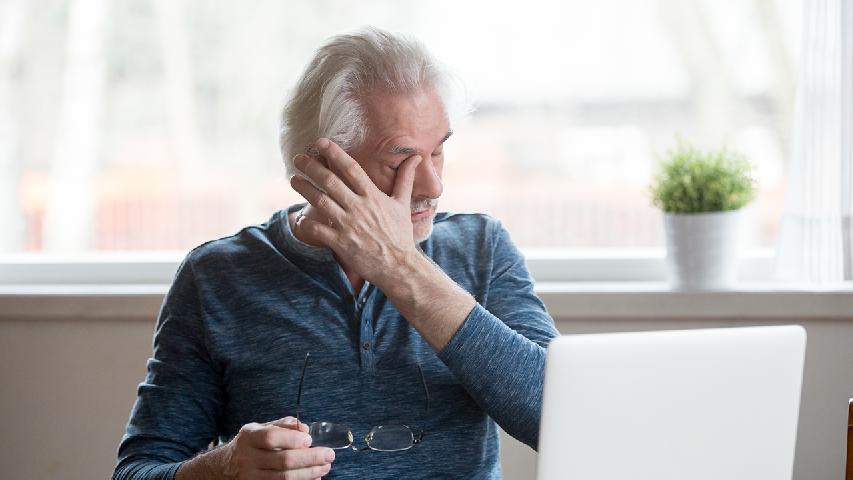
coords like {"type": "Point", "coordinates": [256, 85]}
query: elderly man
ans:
{"type": "Point", "coordinates": [360, 335]}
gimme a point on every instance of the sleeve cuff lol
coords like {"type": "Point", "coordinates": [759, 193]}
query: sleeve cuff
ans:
{"type": "Point", "coordinates": [148, 471]}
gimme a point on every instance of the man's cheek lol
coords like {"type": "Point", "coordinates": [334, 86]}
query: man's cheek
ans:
{"type": "Point", "coordinates": [384, 183]}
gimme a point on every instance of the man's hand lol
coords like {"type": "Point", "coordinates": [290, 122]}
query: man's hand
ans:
{"type": "Point", "coordinates": [369, 230]}
{"type": "Point", "coordinates": [372, 233]}
{"type": "Point", "coordinates": [273, 450]}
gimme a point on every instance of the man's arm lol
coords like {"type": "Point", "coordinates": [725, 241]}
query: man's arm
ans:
{"type": "Point", "coordinates": [177, 408]}
{"type": "Point", "coordinates": [428, 299]}
{"type": "Point", "coordinates": [496, 350]}
{"type": "Point", "coordinates": [498, 353]}
{"type": "Point", "coordinates": [174, 416]}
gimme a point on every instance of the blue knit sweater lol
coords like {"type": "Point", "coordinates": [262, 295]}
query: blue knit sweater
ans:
{"type": "Point", "coordinates": [243, 310]}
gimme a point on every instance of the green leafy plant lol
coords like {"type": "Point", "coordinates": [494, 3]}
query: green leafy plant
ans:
{"type": "Point", "coordinates": [693, 181]}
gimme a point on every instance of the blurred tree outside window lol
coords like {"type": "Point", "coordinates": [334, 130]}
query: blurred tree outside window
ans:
{"type": "Point", "coordinates": [153, 125]}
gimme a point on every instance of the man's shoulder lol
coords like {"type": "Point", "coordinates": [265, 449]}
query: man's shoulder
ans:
{"type": "Point", "coordinates": [468, 231]}
{"type": "Point", "coordinates": [249, 241]}
{"type": "Point", "coordinates": [468, 247]}
{"type": "Point", "coordinates": [463, 222]}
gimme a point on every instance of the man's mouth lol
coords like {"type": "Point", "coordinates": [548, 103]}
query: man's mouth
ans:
{"type": "Point", "coordinates": [421, 214]}
{"type": "Point", "coordinates": [423, 208]}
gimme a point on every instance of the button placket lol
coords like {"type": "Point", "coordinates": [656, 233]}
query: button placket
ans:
{"type": "Point", "coordinates": [363, 312]}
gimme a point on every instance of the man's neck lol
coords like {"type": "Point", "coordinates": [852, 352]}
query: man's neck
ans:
{"type": "Point", "coordinates": [311, 214]}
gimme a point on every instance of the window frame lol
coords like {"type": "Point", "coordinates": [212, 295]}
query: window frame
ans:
{"type": "Point", "coordinates": [545, 266]}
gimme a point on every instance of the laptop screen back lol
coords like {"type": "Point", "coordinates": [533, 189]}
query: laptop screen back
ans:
{"type": "Point", "coordinates": [694, 404]}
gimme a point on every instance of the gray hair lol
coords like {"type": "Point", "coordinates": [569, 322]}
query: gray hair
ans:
{"type": "Point", "coordinates": [327, 100]}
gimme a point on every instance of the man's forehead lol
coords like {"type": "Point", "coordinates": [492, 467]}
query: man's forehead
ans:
{"type": "Point", "coordinates": [402, 122]}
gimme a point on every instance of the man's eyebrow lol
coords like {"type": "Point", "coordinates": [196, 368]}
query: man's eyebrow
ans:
{"type": "Point", "coordinates": [400, 150]}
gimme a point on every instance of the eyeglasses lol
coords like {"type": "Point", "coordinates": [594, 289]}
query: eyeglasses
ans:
{"type": "Point", "coordinates": [381, 438]}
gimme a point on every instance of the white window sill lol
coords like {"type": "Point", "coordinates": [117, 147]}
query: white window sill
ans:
{"type": "Point", "coordinates": [579, 284]}
{"type": "Point", "coordinates": [565, 300]}
{"type": "Point", "coordinates": [657, 300]}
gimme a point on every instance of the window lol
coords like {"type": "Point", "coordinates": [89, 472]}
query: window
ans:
{"type": "Point", "coordinates": [152, 126]}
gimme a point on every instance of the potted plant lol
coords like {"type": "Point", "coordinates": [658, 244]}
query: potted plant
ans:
{"type": "Point", "coordinates": [702, 195]}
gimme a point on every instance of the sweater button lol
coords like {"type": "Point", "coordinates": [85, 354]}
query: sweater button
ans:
{"type": "Point", "coordinates": [366, 345]}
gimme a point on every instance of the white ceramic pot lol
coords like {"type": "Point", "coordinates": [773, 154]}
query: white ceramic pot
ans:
{"type": "Point", "coordinates": [702, 249]}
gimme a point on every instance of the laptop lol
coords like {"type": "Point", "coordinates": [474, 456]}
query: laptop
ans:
{"type": "Point", "coordinates": [691, 404]}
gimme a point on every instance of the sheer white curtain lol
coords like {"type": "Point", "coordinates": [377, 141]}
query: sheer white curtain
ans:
{"type": "Point", "coordinates": [816, 235]}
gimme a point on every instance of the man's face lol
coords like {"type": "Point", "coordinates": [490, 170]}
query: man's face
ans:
{"type": "Point", "coordinates": [400, 126]}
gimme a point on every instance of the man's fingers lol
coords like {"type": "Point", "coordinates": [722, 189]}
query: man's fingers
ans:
{"type": "Point", "coordinates": [286, 422]}
{"type": "Point", "coordinates": [289, 422]}
{"type": "Point", "coordinates": [325, 179]}
{"type": "Point", "coordinates": [326, 234]}
{"type": "Point", "coordinates": [322, 201]}
{"type": "Point", "coordinates": [271, 437]}
{"type": "Point", "coordinates": [405, 179]}
{"type": "Point", "coordinates": [345, 166]}
{"type": "Point", "coordinates": [293, 459]}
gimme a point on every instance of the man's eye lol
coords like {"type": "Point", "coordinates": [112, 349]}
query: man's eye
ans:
{"type": "Point", "coordinates": [438, 153]}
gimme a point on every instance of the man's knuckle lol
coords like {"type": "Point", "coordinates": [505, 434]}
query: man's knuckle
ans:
{"type": "Point", "coordinates": [287, 460]}
{"type": "Point", "coordinates": [353, 170]}
{"type": "Point", "coordinates": [268, 438]}
{"type": "Point", "coordinates": [330, 181]}
{"type": "Point", "coordinates": [322, 200]}
{"type": "Point", "coordinates": [249, 427]}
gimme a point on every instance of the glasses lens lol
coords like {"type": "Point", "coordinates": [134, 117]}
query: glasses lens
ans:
{"type": "Point", "coordinates": [390, 438]}
{"type": "Point", "coordinates": [330, 435]}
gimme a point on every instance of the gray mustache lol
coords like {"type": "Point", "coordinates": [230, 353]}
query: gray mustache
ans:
{"type": "Point", "coordinates": [421, 205]}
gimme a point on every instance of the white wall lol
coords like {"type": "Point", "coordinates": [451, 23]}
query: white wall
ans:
{"type": "Point", "coordinates": [69, 383]}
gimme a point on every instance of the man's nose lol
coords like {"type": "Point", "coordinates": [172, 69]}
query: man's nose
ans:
{"type": "Point", "coordinates": [427, 181]}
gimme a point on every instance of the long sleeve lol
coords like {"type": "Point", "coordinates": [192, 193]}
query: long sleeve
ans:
{"type": "Point", "coordinates": [498, 353]}
{"type": "Point", "coordinates": [178, 404]}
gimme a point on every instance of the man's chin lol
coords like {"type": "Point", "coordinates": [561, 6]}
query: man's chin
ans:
{"type": "Point", "coordinates": [423, 236]}
{"type": "Point", "coordinates": [422, 229]}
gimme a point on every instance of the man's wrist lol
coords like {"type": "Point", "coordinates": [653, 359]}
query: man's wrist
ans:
{"type": "Point", "coordinates": [428, 299]}
{"type": "Point", "coordinates": [209, 465]}
{"type": "Point", "coordinates": [411, 271]}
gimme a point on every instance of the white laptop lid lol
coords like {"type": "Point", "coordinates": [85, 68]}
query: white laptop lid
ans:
{"type": "Point", "coordinates": [693, 404]}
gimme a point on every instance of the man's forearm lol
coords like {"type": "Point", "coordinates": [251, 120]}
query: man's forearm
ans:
{"type": "Point", "coordinates": [500, 368]}
{"type": "Point", "coordinates": [205, 466]}
{"type": "Point", "coordinates": [429, 300]}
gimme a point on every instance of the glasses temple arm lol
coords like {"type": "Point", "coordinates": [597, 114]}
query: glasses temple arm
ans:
{"type": "Point", "coordinates": [301, 381]}
{"type": "Point", "coordinates": [426, 390]}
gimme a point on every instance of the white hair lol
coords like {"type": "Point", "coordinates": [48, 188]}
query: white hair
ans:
{"type": "Point", "coordinates": [327, 100]}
